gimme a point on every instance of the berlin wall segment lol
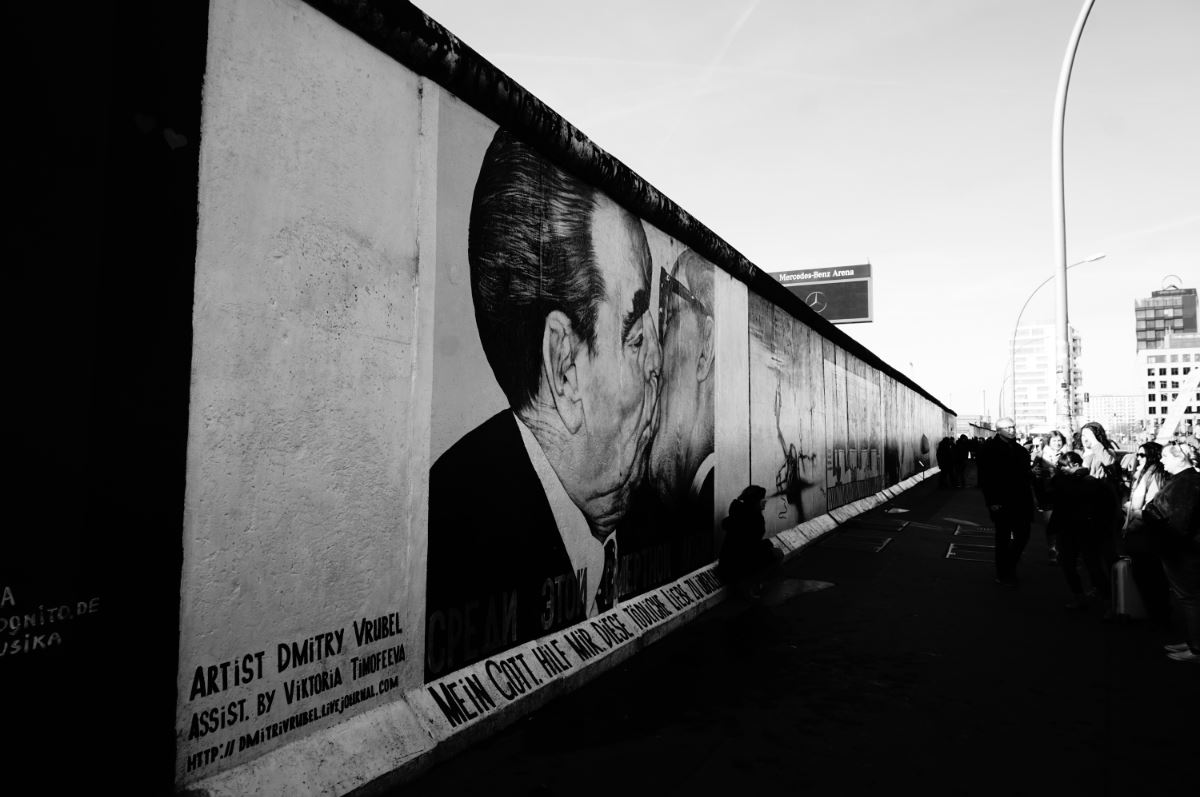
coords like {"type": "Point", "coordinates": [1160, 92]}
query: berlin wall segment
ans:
{"type": "Point", "coordinates": [290, 659]}
{"type": "Point", "coordinates": [299, 605]}
{"type": "Point", "coordinates": [445, 462]}
{"type": "Point", "coordinates": [489, 686]}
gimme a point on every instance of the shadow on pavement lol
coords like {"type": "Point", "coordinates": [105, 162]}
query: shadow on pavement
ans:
{"type": "Point", "coordinates": [862, 670]}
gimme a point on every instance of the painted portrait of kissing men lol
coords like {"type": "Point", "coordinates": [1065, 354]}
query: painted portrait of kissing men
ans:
{"type": "Point", "coordinates": [560, 438]}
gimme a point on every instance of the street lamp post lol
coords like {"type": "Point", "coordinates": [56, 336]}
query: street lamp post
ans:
{"type": "Point", "coordinates": [1062, 362]}
{"type": "Point", "coordinates": [1012, 357]}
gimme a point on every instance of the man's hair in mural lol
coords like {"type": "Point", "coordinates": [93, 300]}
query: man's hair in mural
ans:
{"type": "Point", "coordinates": [700, 275]}
{"type": "Point", "coordinates": [530, 251]}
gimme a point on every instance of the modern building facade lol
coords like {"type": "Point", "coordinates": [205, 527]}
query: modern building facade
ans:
{"type": "Point", "coordinates": [1168, 348]}
{"type": "Point", "coordinates": [1120, 415]}
{"type": "Point", "coordinates": [1164, 371]}
{"type": "Point", "coordinates": [1034, 385]}
{"type": "Point", "coordinates": [1169, 311]}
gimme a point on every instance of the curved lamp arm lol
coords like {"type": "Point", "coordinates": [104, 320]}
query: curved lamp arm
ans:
{"type": "Point", "coordinates": [1012, 357]}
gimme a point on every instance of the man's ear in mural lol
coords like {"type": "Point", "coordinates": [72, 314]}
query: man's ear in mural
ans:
{"type": "Point", "coordinates": [560, 346]}
{"type": "Point", "coordinates": [704, 358]}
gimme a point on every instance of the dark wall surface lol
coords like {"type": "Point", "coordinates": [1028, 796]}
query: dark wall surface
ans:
{"type": "Point", "coordinates": [108, 124]}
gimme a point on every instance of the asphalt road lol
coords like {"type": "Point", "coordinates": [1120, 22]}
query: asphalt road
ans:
{"type": "Point", "coordinates": [909, 671]}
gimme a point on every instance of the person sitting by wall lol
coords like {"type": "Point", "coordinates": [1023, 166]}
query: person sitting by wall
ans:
{"type": "Point", "coordinates": [746, 558]}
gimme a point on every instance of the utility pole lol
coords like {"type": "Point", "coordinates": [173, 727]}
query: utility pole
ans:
{"type": "Point", "coordinates": [1066, 390]}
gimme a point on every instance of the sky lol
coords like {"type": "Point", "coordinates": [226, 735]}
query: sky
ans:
{"type": "Point", "coordinates": [911, 134]}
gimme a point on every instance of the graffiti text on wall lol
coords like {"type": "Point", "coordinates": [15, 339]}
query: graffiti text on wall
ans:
{"type": "Point", "coordinates": [312, 667]}
{"type": "Point", "coordinates": [28, 629]}
{"type": "Point", "coordinates": [488, 685]}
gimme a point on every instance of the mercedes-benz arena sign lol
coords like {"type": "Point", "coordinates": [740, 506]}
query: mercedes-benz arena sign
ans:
{"type": "Point", "coordinates": [841, 294]}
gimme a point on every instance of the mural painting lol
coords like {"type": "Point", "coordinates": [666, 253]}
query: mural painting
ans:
{"type": "Point", "coordinates": [577, 463]}
{"type": "Point", "coordinates": [452, 423]}
{"type": "Point", "coordinates": [857, 466]}
{"type": "Point", "coordinates": [786, 415]}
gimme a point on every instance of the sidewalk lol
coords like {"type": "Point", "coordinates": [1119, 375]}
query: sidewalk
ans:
{"type": "Point", "coordinates": [912, 671]}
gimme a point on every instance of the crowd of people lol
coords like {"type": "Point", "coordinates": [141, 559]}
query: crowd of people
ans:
{"type": "Point", "coordinates": [952, 456]}
{"type": "Point", "coordinates": [1117, 514]}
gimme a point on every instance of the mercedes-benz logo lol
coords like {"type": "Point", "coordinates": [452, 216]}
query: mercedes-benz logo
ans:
{"type": "Point", "coordinates": [816, 300]}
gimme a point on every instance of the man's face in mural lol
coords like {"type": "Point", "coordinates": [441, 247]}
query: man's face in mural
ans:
{"type": "Point", "coordinates": [619, 382]}
{"type": "Point", "coordinates": [684, 436]}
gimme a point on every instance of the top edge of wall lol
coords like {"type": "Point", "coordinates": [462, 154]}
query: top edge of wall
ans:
{"type": "Point", "coordinates": [416, 40]}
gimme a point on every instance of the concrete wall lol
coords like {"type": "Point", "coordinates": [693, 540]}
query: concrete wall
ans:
{"type": "Point", "coordinates": [308, 434]}
{"type": "Point", "coordinates": [410, 461]}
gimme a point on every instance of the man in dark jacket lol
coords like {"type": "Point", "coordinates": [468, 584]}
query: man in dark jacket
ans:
{"type": "Point", "coordinates": [1172, 520]}
{"type": "Point", "coordinates": [1007, 483]}
{"type": "Point", "coordinates": [1082, 507]}
{"type": "Point", "coordinates": [945, 461]}
{"type": "Point", "coordinates": [961, 453]}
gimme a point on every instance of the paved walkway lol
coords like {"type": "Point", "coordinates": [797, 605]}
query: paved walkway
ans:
{"type": "Point", "coordinates": [912, 672]}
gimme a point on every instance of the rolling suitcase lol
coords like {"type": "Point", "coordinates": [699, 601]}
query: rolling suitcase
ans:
{"type": "Point", "coordinates": [1127, 601]}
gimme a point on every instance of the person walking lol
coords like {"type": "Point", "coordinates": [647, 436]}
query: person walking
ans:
{"type": "Point", "coordinates": [1145, 563]}
{"type": "Point", "coordinates": [962, 451]}
{"type": "Point", "coordinates": [1082, 506]}
{"type": "Point", "coordinates": [1007, 483]}
{"type": "Point", "coordinates": [1172, 521]}
{"type": "Point", "coordinates": [1100, 459]}
{"type": "Point", "coordinates": [1045, 466]}
{"type": "Point", "coordinates": [945, 458]}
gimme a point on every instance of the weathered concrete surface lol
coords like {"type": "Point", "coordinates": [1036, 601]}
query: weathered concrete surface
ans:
{"type": "Point", "coordinates": [424, 728]}
{"type": "Point", "coordinates": [333, 313]}
{"type": "Point", "coordinates": [362, 749]}
{"type": "Point", "coordinates": [308, 431]}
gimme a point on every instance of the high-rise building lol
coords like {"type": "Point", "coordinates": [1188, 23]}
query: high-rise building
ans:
{"type": "Point", "coordinates": [1164, 371]}
{"type": "Point", "coordinates": [1168, 347]}
{"type": "Point", "coordinates": [1034, 369]}
{"type": "Point", "coordinates": [1171, 310]}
